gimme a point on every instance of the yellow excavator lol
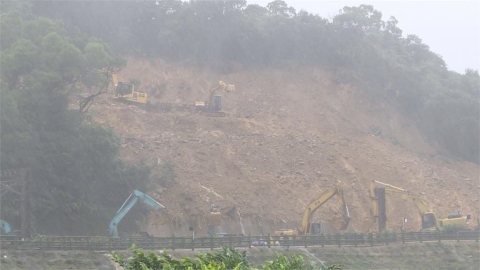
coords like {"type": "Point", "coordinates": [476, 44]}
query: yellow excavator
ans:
{"type": "Point", "coordinates": [126, 92]}
{"type": "Point", "coordinates": [213, 106]}
{"type": "Point", "coordinates": [430, 221]}
{"type": "Point", "coordinates": [309, 228]}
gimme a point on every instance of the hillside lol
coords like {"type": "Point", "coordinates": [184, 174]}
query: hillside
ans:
{"type": "Point", "coordinates": [288, 135]}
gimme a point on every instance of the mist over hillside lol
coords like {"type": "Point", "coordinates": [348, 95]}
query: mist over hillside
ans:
{"type": "Point", "coordinates": [316, 101]}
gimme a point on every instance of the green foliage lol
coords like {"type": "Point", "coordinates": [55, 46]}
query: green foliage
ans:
{"type": "Point", "coordinates": [284, 263]}
{"type": "Point", "coordinates": [229, 257]}
{"type": "Point", "coordinates": [77, 180]}
{"type": "Point", "coordinates": [452, 228]}
{"type": "Point", "coordinates": [225, 259]}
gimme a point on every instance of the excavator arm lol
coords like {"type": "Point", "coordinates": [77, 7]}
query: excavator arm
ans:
{"type": "Point", "coordinates": [403, 194]}
{"type": "Point", "coordinates": [212, 106]}
{"type": "Point", "coordinates": [220, 86]}
{"type": "Point", "coordinates": [127, 206]}
{"type": "Point", "coordinates": [5, 227]}
{"type": "Point", "coordinates": [429, 219]}
{"type": "Point", "coordinates": [317, 203]}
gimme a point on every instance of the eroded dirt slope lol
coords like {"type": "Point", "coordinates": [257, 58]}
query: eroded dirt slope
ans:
{"type": "Point", "coordinates": [288, 135]}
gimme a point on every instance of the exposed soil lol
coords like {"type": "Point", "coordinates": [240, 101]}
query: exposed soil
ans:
{"type": "Point", "coordinates": [288, 135]}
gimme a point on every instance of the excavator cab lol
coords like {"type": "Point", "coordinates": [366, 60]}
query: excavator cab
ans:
{"type": "Point", "coordinates": [316, 228]}
{"type": "Point", "coordinates": [217, 102]}
{"type": "Point", "coordinates": [213, 106]}
{"type": "Point", "coordinates": [124, 89]}
{"type": "Point", "coordinates": [429, 221]}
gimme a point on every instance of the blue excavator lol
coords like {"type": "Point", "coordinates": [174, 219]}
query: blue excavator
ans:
{"type": "Point", "coordinates": [5, 227]}
{"type": "Point", "coordinates": [127, 205]}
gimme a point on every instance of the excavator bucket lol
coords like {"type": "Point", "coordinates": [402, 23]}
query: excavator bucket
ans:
{"type": "Point", "coordinates": [230, 88]}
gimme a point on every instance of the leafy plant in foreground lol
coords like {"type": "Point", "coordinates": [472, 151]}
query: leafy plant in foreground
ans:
{"type": "Point", "coordinates": [225, 259]}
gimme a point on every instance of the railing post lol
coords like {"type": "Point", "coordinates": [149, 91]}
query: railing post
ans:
{"type": "Point", "coordinates": [439, 236]}
{"type": "Point", "coordinates": [386, 237]}
{"type": "Point", "coordinates": [211, 242]}
{"type": "Point", "coordinates": [403, 237]}
{"type": "Point", "coordinates": [230, 241]}
{"type": "Point", "coordinates": [305, 241]}
{"type": "Point", "coordinates": [322, 240]}
{"type": "Point", "coordinates": [193, 244]}
{"type": "Point", "coordinates": [88, 243]}
{"type": "Point", "coordinates": [420, 235]}
{"type": "Point", "coordinates": [42, 250]}
{"type": "Point", "coordinates": [288, 241]}
{"type": "Point", "coordinates": [268, 241]}
{"type": "Point", "coordinates": [355, 238]}
{"type": "Point", "coordinates": [370, 238]}
{"type": "Point", "coordinates": [249, 241]}
{"type": "Point", "coordinates": [338, 240]}
{"type": "Point", "coordinates": [173, 242]}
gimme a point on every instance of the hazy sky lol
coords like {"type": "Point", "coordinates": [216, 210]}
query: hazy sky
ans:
{"type": "Point", "coordinates": [450, 28]}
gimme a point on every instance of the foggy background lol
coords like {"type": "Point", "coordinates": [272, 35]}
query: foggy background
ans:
{"type": "Point", "coordinates": [450, 28]}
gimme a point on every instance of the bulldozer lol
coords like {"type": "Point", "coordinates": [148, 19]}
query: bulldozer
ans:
{"type": "Point", "coordinates": [213, 105]}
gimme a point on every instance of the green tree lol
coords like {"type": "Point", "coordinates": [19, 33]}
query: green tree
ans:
{"type": "Point", "coordinates": [227, 258]}
{"type": "Point", "coordinates": [77, 180]}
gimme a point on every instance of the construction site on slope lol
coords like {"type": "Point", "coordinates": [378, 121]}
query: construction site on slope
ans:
{"type": "Point", "coordinates": [287, 135]}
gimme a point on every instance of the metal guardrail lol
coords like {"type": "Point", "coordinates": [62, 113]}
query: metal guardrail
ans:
{"type": "Point", "coordinates": [98, 243]}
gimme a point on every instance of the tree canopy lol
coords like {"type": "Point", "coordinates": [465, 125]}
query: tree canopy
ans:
{"type": "Point", "coordinates": [77, 180]}
{"type": "Point", "coordinates": [356, 44]}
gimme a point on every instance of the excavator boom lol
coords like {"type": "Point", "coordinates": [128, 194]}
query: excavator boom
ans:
{"type": "Point", "coordinates": [306, 225]}
{"type": "Point", "coordinates": [127, 206]}
{"type": "Point", "coordinates": [429, 219]}
{"type": "Point", "coordinates": [5, 227]}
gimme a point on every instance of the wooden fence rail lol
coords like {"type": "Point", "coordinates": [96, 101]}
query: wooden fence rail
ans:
{"type": "Point", "coordinates": [99, 243]}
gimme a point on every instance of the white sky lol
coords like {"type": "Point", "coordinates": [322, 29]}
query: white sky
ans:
{"type": "Point", "coordinates": [450, 28]}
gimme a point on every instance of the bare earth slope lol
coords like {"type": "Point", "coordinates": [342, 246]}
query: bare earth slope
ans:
{"type": "Point", "coordinates": [288, 135]}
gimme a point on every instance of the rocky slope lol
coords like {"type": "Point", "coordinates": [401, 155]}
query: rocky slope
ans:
{"type": "Point", "coordinates": [288, 135]}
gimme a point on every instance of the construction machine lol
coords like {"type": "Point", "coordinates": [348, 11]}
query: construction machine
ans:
{"type": "Point", "coordinates": [5, 227]}
{"type": "Point", "coordinates": [127, 206]}
{"type": "Point", "coordinates": [309, 228]}
{"type": "Point", "coordinates": [215, 219]}
{"type": "Point", "coordinates": [429, 219]}
{"type": "Point", "coordinates": [126, 92]}
{"type": "Point", "coordinates": [213, 106]}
